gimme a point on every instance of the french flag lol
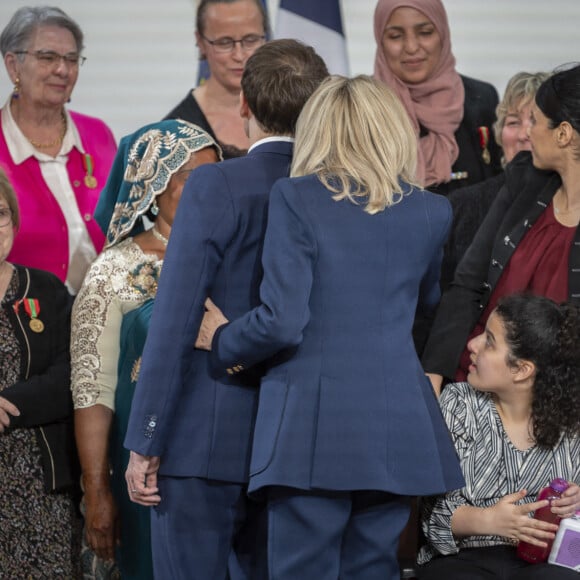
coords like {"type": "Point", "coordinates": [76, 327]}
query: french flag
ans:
{"type": "Point", "coordinates": [317, 23]}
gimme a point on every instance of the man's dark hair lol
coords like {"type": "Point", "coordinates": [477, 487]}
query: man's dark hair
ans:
{"type": "Point", "coordinates": [278, 79]}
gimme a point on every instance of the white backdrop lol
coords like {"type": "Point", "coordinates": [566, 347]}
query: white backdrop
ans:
{"type": "Point", "coordinates": [142, 58]}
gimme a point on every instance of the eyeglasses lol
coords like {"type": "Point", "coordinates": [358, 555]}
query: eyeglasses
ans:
{"type": "Point", "coordinates": [227, 44]}
{"type": "Point", "coordinates": [5, 216]}
{"type": "Point", "coordinates": [51, 58]}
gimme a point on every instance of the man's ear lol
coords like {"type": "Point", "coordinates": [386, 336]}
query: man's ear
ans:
{"type": "Point", "coordinates": [245, 112]}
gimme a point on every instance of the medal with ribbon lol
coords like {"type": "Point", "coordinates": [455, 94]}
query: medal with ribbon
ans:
{"type": "Point", "coordinates": [32, 307]}
{"type": "Point", "coordinates": [89, 166]}
{"type": "Point", "coordinates": [483, 143]}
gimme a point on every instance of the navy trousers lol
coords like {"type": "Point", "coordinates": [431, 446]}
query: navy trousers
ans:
{"type": "Point", "coordinates": [329, 535]}
{"type": "Point", "coordinates": [207, 530]}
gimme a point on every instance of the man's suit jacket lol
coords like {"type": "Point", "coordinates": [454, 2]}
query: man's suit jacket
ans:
{"type": "Point", "coordinates": [345, 404]}
{"type": "Point", "coordinates": [198, 425]}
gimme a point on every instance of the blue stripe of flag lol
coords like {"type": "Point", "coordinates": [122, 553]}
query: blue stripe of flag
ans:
{"type": "Point", "coordinates": [324, 12]}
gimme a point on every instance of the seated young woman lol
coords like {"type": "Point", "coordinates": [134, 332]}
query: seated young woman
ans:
{"type": "Point", "coordinates": [516, 427]}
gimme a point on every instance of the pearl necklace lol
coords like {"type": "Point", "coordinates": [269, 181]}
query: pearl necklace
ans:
{"type": "Point", "coordinates": [157, 234]}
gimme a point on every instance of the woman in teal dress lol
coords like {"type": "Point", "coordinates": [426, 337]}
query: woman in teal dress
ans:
{"type": "Point", "coordinates": [147, 178]}
{"type": "Point", "coordinates": [135, 517]}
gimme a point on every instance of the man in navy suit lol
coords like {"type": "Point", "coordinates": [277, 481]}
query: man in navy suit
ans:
{"type": "Point", "coordinates": [189, 433]}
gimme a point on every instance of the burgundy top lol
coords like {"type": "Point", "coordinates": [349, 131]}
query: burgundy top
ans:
{"type": "Point", "coordinates": [539, 265]}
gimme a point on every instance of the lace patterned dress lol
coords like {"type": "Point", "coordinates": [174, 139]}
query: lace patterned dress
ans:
{"type": "Point", "coordinates": [122, 279]}
{"type": "Point", "coordinates": [38, 530]}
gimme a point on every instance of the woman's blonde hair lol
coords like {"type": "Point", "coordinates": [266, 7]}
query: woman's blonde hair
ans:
{"type": "Point", "coordinates": [355, 135]}
{"type": "Point", "coordinates": [520, 90]}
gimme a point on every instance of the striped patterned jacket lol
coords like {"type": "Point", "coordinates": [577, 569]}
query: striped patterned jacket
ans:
{"type": "Point", "coordinates": [492, 466]}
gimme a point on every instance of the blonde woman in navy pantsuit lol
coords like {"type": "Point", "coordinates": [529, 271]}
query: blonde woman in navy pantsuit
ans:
{"type": "Point", "coordinates": [348, 427]}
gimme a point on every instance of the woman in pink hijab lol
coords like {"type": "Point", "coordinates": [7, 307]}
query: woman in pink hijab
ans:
{"type": "Point", "coordinates": [452, 114]}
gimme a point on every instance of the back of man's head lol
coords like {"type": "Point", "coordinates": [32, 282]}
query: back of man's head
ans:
{"type": "Point", "coordinates": [278, 80]}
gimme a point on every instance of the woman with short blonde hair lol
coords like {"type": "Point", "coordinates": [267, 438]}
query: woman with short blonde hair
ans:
{"type": "Point", "coordinates": [471, 204]}
{"type": "Point", "coordinates": [519, 93]}
{"type": "Point", "coordinates": [333, 135]}
{"type": "Point", "coordinates": [347, 424]}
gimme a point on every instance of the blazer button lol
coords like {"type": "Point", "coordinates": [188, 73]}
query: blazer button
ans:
{"type": "Point", "coordinates": [494, 263]}
{"type": "Point", "coordinates": [486, 286]}
{"type": "Point", "coordinates": [506, 240]}
{"type": "Point", "coordinates": [87, 217]}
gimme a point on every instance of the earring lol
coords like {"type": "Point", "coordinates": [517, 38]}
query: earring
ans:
{"type": "Point", "coordinates": [154, 208]}
{"type": "Point", "coordinates": [16, 89]}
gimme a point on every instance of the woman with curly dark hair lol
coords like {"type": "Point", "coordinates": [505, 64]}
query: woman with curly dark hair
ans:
{"type": "Point", "coordinates": [515, 426]}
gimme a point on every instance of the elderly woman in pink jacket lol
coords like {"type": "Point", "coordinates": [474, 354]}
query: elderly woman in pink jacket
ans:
{"type": "Point", "coordinates": [57, 160]}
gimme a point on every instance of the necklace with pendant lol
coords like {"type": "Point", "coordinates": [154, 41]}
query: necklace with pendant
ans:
{"type": "Point", "coordinates": [157, 234]}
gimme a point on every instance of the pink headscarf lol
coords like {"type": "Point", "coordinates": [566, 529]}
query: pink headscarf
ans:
{"type": "Point", "coordinates": [435, 104]}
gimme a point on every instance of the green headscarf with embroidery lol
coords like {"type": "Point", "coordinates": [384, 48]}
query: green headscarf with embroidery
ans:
{"type": "Point", "coordinates": [143, 166]}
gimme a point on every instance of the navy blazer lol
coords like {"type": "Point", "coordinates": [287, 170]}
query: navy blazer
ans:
{"type": "Point", "coordinates": [345, 404]}
{"type": "Point", "coordinates": [198, 425]}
